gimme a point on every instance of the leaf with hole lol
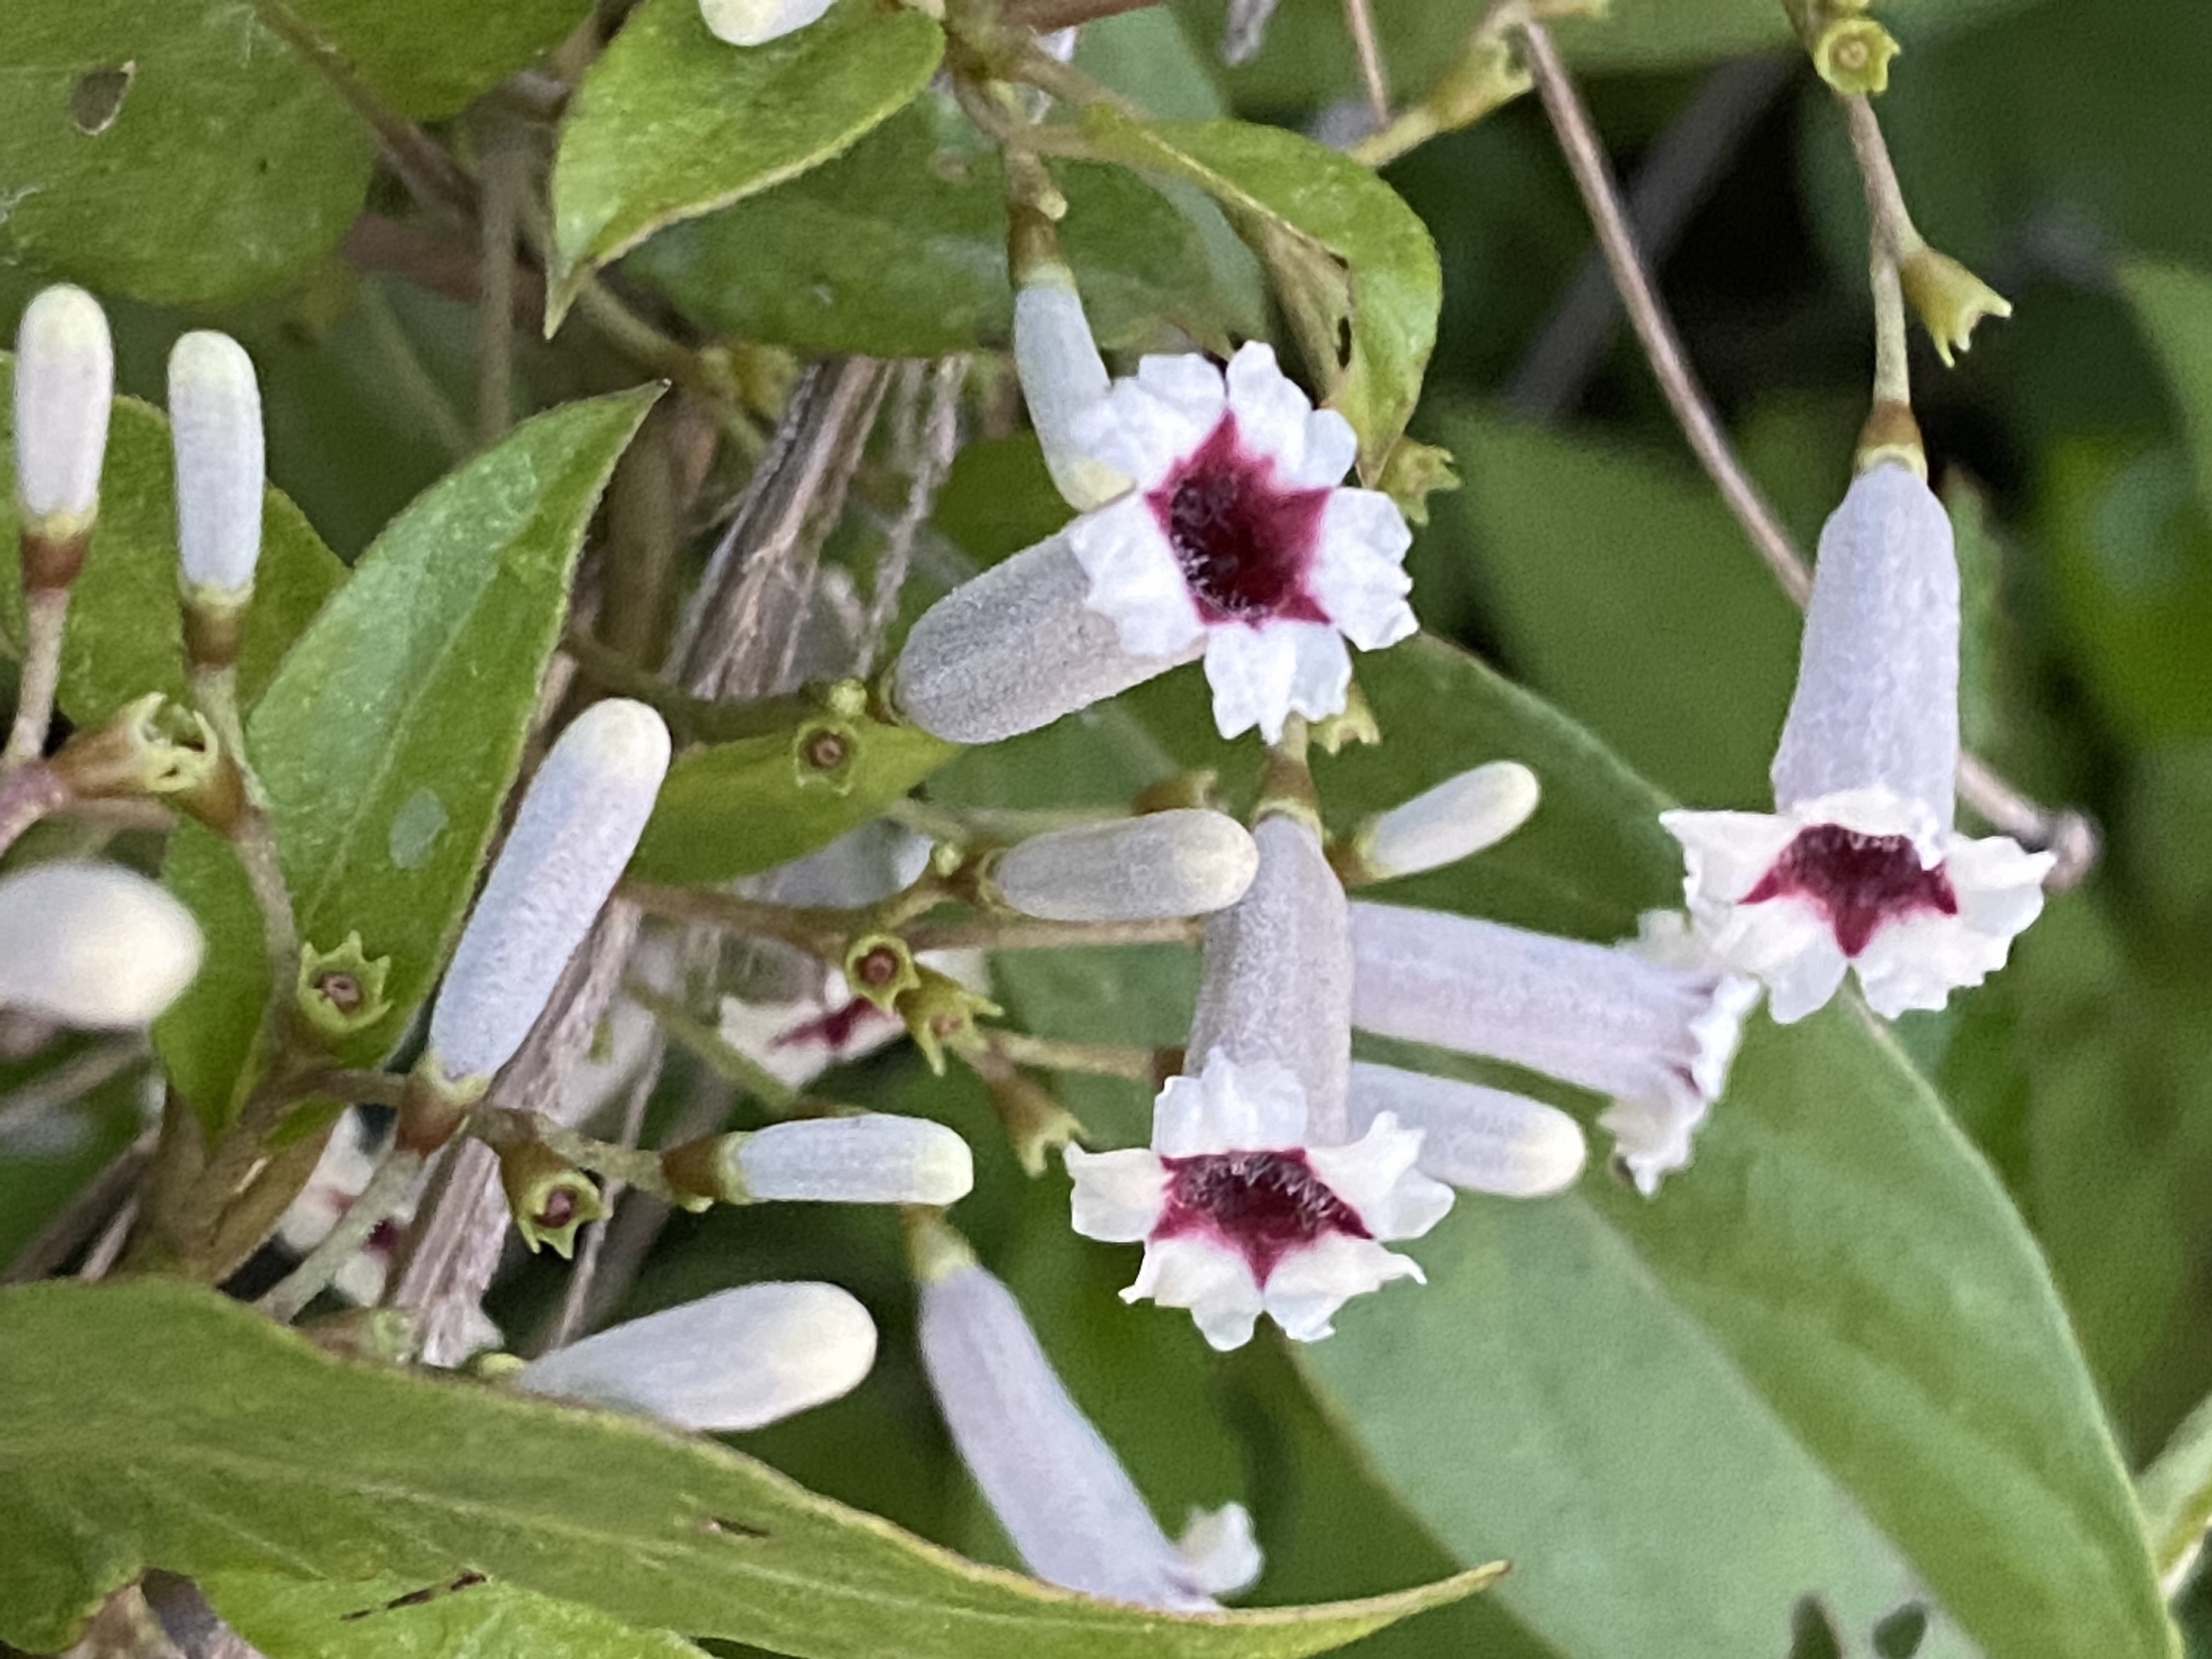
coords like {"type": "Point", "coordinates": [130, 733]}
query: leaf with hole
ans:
{"type": "Point", "coordinates": [672, 122]}
{"type": "Point", "coordinates": [275, 1458]}
{"type": "Point", "coordinates": [179, 152]}
{"type": "Point", "coordinates": [391, 737]}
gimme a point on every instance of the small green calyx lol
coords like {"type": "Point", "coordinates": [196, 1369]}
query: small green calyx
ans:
{"type": "Point", "coordinates": [1357, 725]}
{"type": "Point", "coordinates": [1414, 472]}
{"type": "Point", "coordinates": [880, 968]}
{"type": "Point", "coordinates": [389, 1336]}
{"type": "Point", "coordinates": [703, 1173]}
{"type": "Point", "coordinates": [1036, 1123]}
{"type": "Point", "coordinates": [1853, 55]}
{"type": "Point", "coordinates": [823, 752]}
{"type": "Point", "coordinates": [940, 1013]}
{"type": "Point", "coordinates": [149, 747]}
{"type": "Point", "coordinates": [341, 992]}
{"type": "Point", "coordinates": [1949, 300]}
{"type": "Point", "coordinates": [549, 1198]}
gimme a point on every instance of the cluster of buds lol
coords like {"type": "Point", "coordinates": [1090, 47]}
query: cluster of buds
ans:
{"type": "Point", "coordinates": [1211, 523]}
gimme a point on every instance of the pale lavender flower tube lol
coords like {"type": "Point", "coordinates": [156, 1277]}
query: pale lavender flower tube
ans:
{"type": "Point", "coordinates": [1054, 1484]}
{"type": "Point", "coordinates": [1476, 1138]}
{"type": "Point", "coordinates": [869, 1157]}
{"type": "Point", "coordinates": [214, 421]}
{"type": "Point", "coordinates": [738, 1359]}
{"type": "Point", "coordinates": [94, 945]}
{"type": "Point", "coordinates": [65, 387]}
{"type": "Point", "coordinates": [578, 826]}
{"type": "Point", "coordinates": [1188, 862]}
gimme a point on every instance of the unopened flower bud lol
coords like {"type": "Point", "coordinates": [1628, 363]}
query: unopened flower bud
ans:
{"type": "Point", "coordinates": [548, 1198]}
{"type": "Point", "coordinates": [1054, 1484]}
{"type": "Point", "coordinates": [93, 945]}
{"type": "Point", "coordinates": [1482, 1140]}
{"type": "Point", "coordinates": [578, 826]}
{"type": "Point", "coordinates": [341, 992]}
{"type": "Point", "coordinates": [756, 22]}
{"type": "Point", "coordinates": [1062, 377]}
{"type": "Point", "coordinates": [1185, 863]}
{"type": "Point", "coordinates": [214, 421]}
{"type": "Point", "coordinates": [1276, 986]}
{"type": "Point", "coordinates": [1853, 55]}
{"type": "Point", "coordinates": [1014, 649]}
{"type": "Point", "coordinates": [1456, 819]}
{"type": "Point", "coordinates": [1949, 299]}
{"type": "Point", "coordinates": [738, 1359]}
{"type": "Point", "coordinates": [870, 1157]}
{"type": "Point", "coordinates": [64, 387]}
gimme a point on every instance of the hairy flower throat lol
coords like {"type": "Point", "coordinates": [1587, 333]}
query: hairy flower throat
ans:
{"type": "Point", "coordinates": [1264, 1204]}
{"type": "Point", "coordinates": [1243, 542]}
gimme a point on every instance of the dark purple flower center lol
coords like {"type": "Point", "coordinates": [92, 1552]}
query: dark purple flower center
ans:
{"type": "Point", "coordinates": [1265, 1204]}
{"type": "Point", "coordinates": [1244, 542]}
{"type": "Point", "coordinates": [1857, 882]}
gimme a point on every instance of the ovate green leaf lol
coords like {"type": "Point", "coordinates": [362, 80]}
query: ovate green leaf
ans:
{"type": "Point", "coordinates": [672, 122]}
{"type": "Point", "coordinates": [125, 634]}
{"type": "Point", "coordinates": [178, 151]}
{"type": "Point", "coordinates": [428, 58]}
{"type": "Point", "coordinates": [899, 249]}
{"type": "Point", "coordinates": [740, 808]}
{"type": "Point", "coordinates": [156, 1424]}
{"type": "Point", "coordinates": [393, 731]}
{"type": "Point", "coordinates": [2174, 305]}
{"type": "Point", "coordinates": [1352, 262]}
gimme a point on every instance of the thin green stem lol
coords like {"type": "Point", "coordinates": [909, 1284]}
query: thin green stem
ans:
{"type": "Point", "coordinates": [819, 931]}
{"type": "Point", "coordinates": [724, 1058]}
{"type": "Point", "coordinates": [46, 618]}
{"type": "Point", "coordinates": [28, 792]}
{"type": "Point", "coordinates": [1130, 1061]}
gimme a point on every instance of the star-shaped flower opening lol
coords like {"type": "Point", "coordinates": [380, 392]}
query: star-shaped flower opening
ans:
{"type": "Point", "coordinates": [1246, 542]}
{"type": "Point", "coordinates": [1239, 1218]}
{"type": "Point", "coordinates": [1859, 883]}
{"type": "Point", "coordinates": [1237, 529]}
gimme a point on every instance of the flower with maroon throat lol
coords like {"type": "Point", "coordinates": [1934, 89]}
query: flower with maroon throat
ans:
{"type": "Point", "coordinates": [1239, 1217]}
{"type": "Point", "coordinates": [1859, 867]}
{"type": "Point", "coordinates": [1236, 532]}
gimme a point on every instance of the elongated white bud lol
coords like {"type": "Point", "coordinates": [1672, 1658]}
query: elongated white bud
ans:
{"type": "Point", "coordinates": [736, 1359]}
{"type": "Point", "coordinates": [577, 829]}
{"type": "Point", "coordinates": [1016, 648]}
{"type": "Point", "coordinates": [1188, 862]}
{"type": "Point", "coordinates": [65, 386]}
{"type": "Point", "coordinates": [1277, 982]}
{"type": "Point", "coordinates": [1483, 1140]}
{"type": "Point", "coordinates": [215, 420]}
{"type": "Point", "coordinates": [870, 1158]}
{"type": "Point", "coordinates": [1062, 376]}
{"type": "Point", "coordinates": [1877, 697]}
{"type": "Point", "coordinates": [756, 22]}
{"type": "Point", "coordinates": [1051, 1479]}
{"type": "Point", "coordinates": [93, 945]}
{"type": "Point", "coordinates": [1455, 820]}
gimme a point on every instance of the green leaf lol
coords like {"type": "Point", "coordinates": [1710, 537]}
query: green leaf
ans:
{"type": "Point", "coordinates": [1619, 587]}
{"type": "Point", "coordinates": [1352, 262]}
{"type": "Point", "coordinates": [1826, 1361]}
{"type": "Point", "coordinates": [740, 808]}
{"type": "Point", "coordinates": [672, 122]}
{"type": "Point", "coordinates": [899, 249]}
{"type": "Point", "coordinates": [406, 1618]}
{"type": "Point", "coordinates": [125, 634]}
{"type": "Point", "coordinates": [2174, 305]}
{"type": "Point", "coordinates": [2177, 1492]}
{"type": "Point", "coordinates": [272, 1457]}
{"type": "Point", "coordinates": [429, 59]}
{"type": "Point", "coordinates": [392, 734]}
{"type": "Point", "coordinates": [178, 152]}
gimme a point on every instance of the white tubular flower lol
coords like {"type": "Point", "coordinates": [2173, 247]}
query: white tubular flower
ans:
{"type": "Point", "coordinates": [65, 386]}
{"type": "Point", "coordinates": [1240, 1215]}
{"type": "Point", "coordinates": [1015, 649]}
{"type": "Point", "coordinates": [1656, 1035]}
{"type": "Point", "coordinates": [1054, 1484]}
{"type": "Point", "coordinates": [738, 1359]}
{"type": "Point", "coordinates": [755, 22]}
{"type": "Point", "coordinates": [1456, 819]}
{"type": "Point", "coordinates": [1062, 377]}
{"type": "Point", "coordinates": [870, 1158]}
{"type": "Point", "coordinates": [1276, 987]}
{"type": "Point", "coordinates": [1478, 1139]}
{"type": "Point", "coordinates": [577, 829]}
{"type": "Point", "coordinates": [1237, 536]}
{"type": "Point", "coordinates": [215, 420]}
{"type": "Point", "coordinates": [93, 945]}
{"type": "Point", "coordinates": [1859, 866]}
{"type": "Point", "coordinates": [1189, 862]}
